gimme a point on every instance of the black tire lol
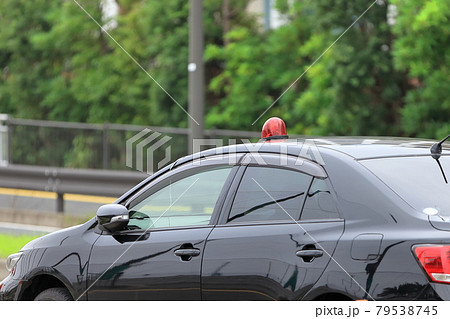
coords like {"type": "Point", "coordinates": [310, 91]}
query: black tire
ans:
{"type": "Point", "coordinates": [54, 294]}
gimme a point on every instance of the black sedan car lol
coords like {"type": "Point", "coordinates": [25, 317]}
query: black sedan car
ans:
{"type": "Point", "coordinates": [321, 219]}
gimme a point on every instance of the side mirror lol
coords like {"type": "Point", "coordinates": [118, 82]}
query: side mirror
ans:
{"type": "Point", "coordinates": [112, 217]}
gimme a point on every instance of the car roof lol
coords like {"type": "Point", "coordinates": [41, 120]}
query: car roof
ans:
{"type": "Point", "coordinates": [356, 147]}
{"type": "Point", "coordinates": [379, 147]}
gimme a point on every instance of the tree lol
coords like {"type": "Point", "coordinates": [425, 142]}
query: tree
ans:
{"type": "Point", "coordinates": [422, 50]}
{"type": "Point", "coordinates": [59, 65]}
{"type": "Point", "coordinates": [257, 67]}
{"type": "Point", "coordinates": [353, 89]}
{"type": "Point", "coordinates": [379, 78]}
{"type": "Point", "coordinates": [28, 72]}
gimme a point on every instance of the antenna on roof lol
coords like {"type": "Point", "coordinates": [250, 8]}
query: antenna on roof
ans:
{"type": "Point", "coordinates": [436, 149]}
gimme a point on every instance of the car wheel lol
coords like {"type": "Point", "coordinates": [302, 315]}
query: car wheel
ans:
{"type": "Point", "coordinates": [54, 294]}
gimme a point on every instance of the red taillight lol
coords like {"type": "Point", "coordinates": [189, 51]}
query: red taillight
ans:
{"type": "Point", "coordinates": [435, 260]}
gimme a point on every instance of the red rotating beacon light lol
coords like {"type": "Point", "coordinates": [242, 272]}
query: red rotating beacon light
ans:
{"type": "Point", "coordinates": [274, 129]}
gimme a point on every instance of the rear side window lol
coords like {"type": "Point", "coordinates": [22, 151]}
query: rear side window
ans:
{"type": "Point", "coordinates": [419, 180]}
{"type": "Point", "coordinates": [319, 203]}
{"type": "Point", "coordinates": [267, 193]}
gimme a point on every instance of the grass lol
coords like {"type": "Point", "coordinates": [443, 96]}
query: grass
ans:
{"type": "Point", "coordinates": [10, 244]}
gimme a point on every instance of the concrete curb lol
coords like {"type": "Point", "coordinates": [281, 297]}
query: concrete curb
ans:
{"type": "Point", "coordinates": [40, 218]}
{"type": "Point", "coordinates": [25, 229]}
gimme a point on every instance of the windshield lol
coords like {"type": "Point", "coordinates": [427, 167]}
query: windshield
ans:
{"type": "Point", "coordinates": [418, 180]}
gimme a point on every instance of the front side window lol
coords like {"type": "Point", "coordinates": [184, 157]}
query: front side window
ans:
{"type": "Point", "coordinates": [267, 193]}
{"type": "Point", "coordinates": [189, 201]}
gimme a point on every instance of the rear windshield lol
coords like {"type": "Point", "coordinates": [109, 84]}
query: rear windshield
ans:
{"type": "Point", "coordinates": [418, 180]}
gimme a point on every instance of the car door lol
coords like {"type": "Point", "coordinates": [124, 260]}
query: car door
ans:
{"type": "Point", "coordinates": [262, 249]}
{"type": "Point", "coordinates": [158, 256]}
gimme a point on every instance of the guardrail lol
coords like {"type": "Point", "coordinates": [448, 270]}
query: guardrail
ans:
{"type": "Point", "coordinates": [67, 180]}
{"type": "Point", "coordinates": [89, 145]}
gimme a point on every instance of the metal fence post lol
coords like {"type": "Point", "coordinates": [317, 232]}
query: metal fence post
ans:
{"type": "Point", "coordinates": [4, 140]}
{"type": "Point", "coordinates": [9, 134]}
{"type": "Point", "coordinates": [105, 142]}
{"type": "Point", "coordinates": [60, 203]}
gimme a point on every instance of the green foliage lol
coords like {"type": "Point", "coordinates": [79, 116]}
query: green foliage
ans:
{"type": "Point", "coordinates": [10, 244]}
{"type": "Point", "coordinates": [26, 70]}
{"type": "Point", "coordinates": [422, 49]}
{"type": "Point", "coordinates": [59, 65]}
{"type": "Point", "coordinates": [379, 78]}
{"type": "Point", "coordinates": [258, 67]}
{"type": "Point", "coordinates": [361, 89]}
{"type": "Point", "coordinates": [352, 89]}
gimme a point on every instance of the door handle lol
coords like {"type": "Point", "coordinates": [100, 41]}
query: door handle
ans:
{"type": "Point", "coordinates": [186, 254]}
{"type": "Point", "coordinates": [308, 255]}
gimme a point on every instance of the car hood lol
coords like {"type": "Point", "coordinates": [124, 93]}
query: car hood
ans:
{"type": "Point", "coordinates": [56, 238]}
